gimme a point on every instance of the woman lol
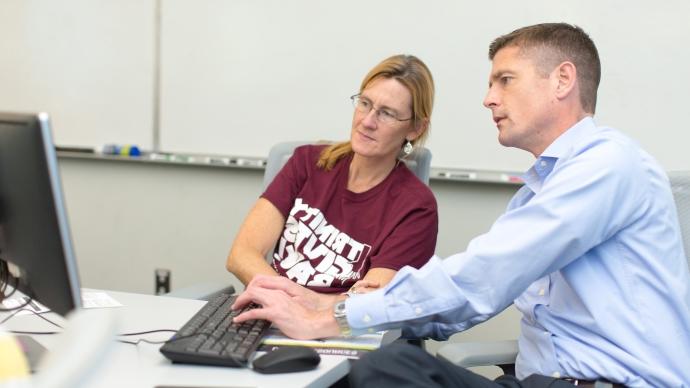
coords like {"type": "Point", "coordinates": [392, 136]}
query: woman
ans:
{"type": "Point", "coordinates": [350, 212]}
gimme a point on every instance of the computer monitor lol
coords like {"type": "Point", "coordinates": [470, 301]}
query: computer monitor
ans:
{"type": "Point", "coordinates": [34, 232]}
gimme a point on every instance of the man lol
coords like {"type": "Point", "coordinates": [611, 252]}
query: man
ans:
{"type": "Point", "coordinates": [589, 249]}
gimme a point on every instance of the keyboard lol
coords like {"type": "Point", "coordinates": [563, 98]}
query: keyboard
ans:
{"type": "Point", "coordinates": [211, 338]}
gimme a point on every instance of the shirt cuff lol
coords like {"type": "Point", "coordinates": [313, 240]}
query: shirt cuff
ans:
{"type": "Point", "coordinates": [366, 313]}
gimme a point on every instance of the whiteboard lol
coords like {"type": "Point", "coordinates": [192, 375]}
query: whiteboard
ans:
{"type": "Point", "coordinates": [240, 75]}
{"type": "Point", "coordinates": [88, 63]}
{"type": "Point", "coordinates": [237, 76]}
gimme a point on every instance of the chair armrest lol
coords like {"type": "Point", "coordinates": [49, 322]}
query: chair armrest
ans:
{"type": "Point", "coordinates": [469, 354]}
{"type": "Point", "coordinates": [202, 291]}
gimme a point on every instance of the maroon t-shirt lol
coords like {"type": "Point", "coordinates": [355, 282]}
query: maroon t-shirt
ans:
{"type": "Point", "coordinates": [333, 236]}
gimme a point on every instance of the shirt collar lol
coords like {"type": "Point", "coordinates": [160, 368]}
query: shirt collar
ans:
{"type": "Point", "coordinates": [562, 145]}
{"type": "Point", "coordinates": [542, 167]}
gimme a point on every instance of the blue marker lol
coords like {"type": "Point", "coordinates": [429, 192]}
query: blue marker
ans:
{"type": "Point", "coordinates": [126, 150]}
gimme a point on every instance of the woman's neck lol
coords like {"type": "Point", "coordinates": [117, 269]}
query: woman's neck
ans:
{"type": "Point", "coordinates": [365, 173]}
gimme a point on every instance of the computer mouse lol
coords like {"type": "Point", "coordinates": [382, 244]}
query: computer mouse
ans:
{"type": "Point", "coordinates": [287, 359]}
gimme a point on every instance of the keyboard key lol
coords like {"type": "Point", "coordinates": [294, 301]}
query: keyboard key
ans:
{"type": "Point", "coordinates": [210, 337]}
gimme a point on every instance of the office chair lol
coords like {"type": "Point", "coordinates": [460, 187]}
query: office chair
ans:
{"type": "Point", "coordinates": [419, 162]}
{"type": "Point", "coordinates": [503, 353]}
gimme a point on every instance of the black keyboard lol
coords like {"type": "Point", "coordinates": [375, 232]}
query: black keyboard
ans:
{"type": "Point", "coordinates": [210, 337]}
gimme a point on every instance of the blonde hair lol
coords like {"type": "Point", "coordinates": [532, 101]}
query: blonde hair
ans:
{"type": "Point", "coordinates": [412, 73]}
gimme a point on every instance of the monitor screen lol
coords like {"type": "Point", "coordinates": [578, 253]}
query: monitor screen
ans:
{"type": "Point", "coordinates": [34, 232]}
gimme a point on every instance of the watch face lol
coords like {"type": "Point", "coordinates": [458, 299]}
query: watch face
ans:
{"type": "Point", "coordinates": [340, 307]}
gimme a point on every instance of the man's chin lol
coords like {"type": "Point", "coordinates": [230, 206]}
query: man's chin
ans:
{"type": "Point", "coordinates": [504, 141]}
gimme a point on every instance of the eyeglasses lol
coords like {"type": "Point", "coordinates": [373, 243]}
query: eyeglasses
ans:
{"type": "Point", "coordinates": [383, 115]}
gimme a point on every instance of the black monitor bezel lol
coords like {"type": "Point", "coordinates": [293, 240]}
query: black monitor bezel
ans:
{"type": "Point", "coordinates": [36, 213]}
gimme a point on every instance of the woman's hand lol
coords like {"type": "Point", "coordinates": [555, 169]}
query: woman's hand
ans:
{"type": "Point", "coordinates": [363, 286]}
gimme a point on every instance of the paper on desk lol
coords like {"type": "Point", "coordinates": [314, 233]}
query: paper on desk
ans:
{"type": "Point", "coordinates": [98, 299]}
{"type": "Point", "coordinates": [90, 300]}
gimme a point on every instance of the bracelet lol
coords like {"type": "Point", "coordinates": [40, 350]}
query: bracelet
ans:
{"type": "Point", "coordinates": [351, 292]}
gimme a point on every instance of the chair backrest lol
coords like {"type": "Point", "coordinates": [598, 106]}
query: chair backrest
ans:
{"type": "Point", "coordinates": [419, 162]}
{"type": "Point", "coordinates": [680, 186]}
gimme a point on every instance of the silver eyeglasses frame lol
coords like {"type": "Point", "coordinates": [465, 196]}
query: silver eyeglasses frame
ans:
{"type": "Point", "coordinates": [383, 115]}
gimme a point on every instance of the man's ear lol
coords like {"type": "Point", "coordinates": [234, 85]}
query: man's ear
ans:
{"type": "Point", "coordinates": [566, 79]}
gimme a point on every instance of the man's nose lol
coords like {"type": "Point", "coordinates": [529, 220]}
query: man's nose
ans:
{"type": "Point", "coordinates": [490, 100]}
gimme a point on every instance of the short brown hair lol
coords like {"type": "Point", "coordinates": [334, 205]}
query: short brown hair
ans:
{"type": "Point", "coordinates": [412, 73]}
{"type": "Point", "coordinates": [555, 43]}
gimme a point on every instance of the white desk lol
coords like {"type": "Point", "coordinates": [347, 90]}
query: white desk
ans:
{"type": "Point", "coordinates": [143, 365]}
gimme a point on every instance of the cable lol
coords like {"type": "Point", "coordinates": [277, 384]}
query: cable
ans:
{"type": "Point", "coordinates": [40, 315]}
{"type": "Point", "coordinates": [143, 339]}
{"type": "Point", "coordinates": [29, 292]}
{"type": "Point", "coordinates": [31, 332]}
{"type": "Point", "coordinates": [34, 332]}
{"type": "Point", "coordinates": [4, 279]}
{"type": "Point", "coordinates": [14, 288]}
{"type": "Point", "coordinates": [7, 318]}
{"type": "Point", "coordinates": [27, 302]}
{"type": "Point", "coordinates": [135, 343]}
{"type": "Point", "coordinates": [147, 332]}
{"type": "Point", "coordinates": [140, 340]}
{"type": "Point", "coordinates": [55, 324]}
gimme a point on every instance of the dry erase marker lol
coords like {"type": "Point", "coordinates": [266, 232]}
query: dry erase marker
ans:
{"type": "Point", "coordinates": [160, 156]}
{"type": "Point", "coordinates": [511, 178]}
{"type": "Point", "coordinates": [183, 158]}
{"type": "Point", "coordinates": [124, 150]}
{"type": "Point", "coordinates": [83, 150]}
{"type": "Point", "coordinates": [458, 175]}
{"type": "Point", "coordinates": [242, 162]}
{"type": "Point", "coordinates": [219, 161]}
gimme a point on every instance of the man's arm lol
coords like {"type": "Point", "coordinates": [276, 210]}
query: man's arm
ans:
{"type": "Point", "coordinates": [574, 210]}
{"type": "Point", "coordinates": [542, 232]}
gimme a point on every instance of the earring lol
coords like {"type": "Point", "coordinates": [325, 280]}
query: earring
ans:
{"type": "Point", "coordinates": [407, 149]}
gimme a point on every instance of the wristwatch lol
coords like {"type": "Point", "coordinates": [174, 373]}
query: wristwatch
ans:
{"type": "Point", "coordinates": [340, 316]}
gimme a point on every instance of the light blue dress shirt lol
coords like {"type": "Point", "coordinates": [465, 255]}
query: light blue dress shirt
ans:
{"type": "Point", "coordinates": [590, 252]}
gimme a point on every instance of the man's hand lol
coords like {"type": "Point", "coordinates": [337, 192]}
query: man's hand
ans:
{"type": "Point", "coordinates": [298, 312]}
{"type": "Point", "coordinates": [302, 295]}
